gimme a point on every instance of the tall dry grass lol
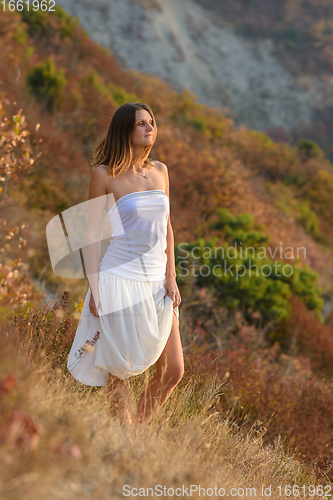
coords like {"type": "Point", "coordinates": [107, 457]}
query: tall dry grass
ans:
{"type": "Point", "coordinates": [58, 439]}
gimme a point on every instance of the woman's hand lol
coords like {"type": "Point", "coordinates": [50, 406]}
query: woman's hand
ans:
{"type": "Point", "coordinates": [93, 305]}
{"type": "Point", "coordinates": [171, 289]}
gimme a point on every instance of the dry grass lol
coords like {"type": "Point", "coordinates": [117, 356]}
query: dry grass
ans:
{"type": "Point", "coordinates": [58, 440]}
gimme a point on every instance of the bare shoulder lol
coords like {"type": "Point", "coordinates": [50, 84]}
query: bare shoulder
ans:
{"type": "Point", "coordinates": [100, 171]}
{"type": "Point", "coordinates": [163, 172]}
{"type": "Point", "coordinates": [98, 180]}
{"type": "Point", "coordinates": [160, 166]}
{"type": "Point", "coordinates": [162, 169]}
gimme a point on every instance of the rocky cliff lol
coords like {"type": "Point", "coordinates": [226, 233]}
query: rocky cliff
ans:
{"type": "Point", "coordinates": [182, 43]}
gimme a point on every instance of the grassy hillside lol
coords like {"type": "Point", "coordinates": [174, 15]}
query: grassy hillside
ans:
{"type": "Point", "coordinates": [265, 339]}
{"type": "Point", "coordinates": [57, 438]}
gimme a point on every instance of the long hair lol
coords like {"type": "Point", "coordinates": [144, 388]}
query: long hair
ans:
{"type": "Point", "coordinates": [113, 146]}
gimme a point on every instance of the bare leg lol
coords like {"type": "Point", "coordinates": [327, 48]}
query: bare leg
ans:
{"type": "Point", "coordinates": [118, 396]}
{"type": "Point", "coordinates": [169, 371]}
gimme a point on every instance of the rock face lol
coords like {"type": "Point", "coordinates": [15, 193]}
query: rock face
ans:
{"type": "Point", "coordinates": [182, 43]}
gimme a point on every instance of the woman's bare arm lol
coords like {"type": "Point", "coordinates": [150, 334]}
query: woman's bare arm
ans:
{"type": "Point", "coordinates": [96, 208]}
{"type": "Point", "coordinates": [170, 266]}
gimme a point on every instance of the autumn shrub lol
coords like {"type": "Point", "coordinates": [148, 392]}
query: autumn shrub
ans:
{"type": "Point", "coordinates": [281, 391]}
{"type": "Point", "coordinates": [16, 287]}
{"type": "Point", "coordinates": [295, 165]}
{"type": "Point", "coordinates": [275, 161]}
{"type": "Point", "coordinates": [18, 157]}
{"type": "Point", "coordinates": [309, 338]}
{"type": "Point", "coordinates": [17, 154]}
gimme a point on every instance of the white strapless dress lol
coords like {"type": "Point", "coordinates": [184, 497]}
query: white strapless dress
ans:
{"type": "Point", "coordinates": [132, 331]}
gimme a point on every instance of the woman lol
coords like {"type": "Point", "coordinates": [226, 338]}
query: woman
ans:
{"type": "Point", "coordinates": [130, 316]}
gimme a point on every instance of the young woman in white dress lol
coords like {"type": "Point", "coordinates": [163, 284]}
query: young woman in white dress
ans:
{"type": "Point", "coordinates": [126, 146]}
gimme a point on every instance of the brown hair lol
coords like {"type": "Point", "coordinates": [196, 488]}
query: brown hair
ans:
{"type": "Point", "coordinates": [113, 146]}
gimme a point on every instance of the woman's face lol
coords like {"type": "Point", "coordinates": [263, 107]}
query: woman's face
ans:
{"type": "Point", "coordinates": [144, 133]}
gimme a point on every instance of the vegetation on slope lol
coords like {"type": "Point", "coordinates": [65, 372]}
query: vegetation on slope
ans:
{"type": "Point", "coordinates": [57, 437]}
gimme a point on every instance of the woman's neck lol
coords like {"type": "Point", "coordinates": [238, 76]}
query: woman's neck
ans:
{"type": "Point", "coordinates": [135, 166]}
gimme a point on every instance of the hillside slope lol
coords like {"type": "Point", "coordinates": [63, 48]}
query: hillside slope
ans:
{"type": "Point", "coordinates": [210, 162]}
{"type": "Point", "coordinates": [212, 166]}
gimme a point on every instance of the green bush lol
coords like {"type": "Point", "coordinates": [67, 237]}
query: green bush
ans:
{"type": "Point", "coordinates": [44, 194]}
{"type": "Point", "coordinates": [37, 21]}
{"type": "Point", "coordinates": [21, 35]}
{"type": "Point", "coordinates": [67, 24]}
{"type": "Point", "coordinates": [40, 22]}
{"type": "Point", "coordinates": [119, 95]}
{"type": "Point", "coordinates": [310, 149]}
{"type": "Point", "coordinates": [115, 93]}
{"type": "Point", "coordinates": [307, 218]}
{"type": "Point", "coordinates": [46, 83]}
{"type": "Point", "coordinates": [189, 112]}
{"type": "Point", "coordinates": [319, 193]}
{"type": "Point", "coordinates": [248, 278]}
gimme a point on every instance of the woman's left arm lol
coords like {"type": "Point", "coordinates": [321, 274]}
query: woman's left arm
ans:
{"type": "Point", "coordinates": [170, 265]}
{"type": "Point", "coordinates": [170, 277]}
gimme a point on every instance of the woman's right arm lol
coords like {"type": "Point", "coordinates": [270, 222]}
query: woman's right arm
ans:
{"type": "Point", "coordinates": [96, 207]}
